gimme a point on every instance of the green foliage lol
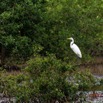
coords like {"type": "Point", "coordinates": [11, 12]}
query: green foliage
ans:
{"type": "Point", "coordinates": [36, 28]}
{"type": "Point", "coordinates": [53, 79]}
{"type": "Point", "coordinates": [48, 75]}
{"type": "Point", "coordinates": [49, 23]}
{"type": "Point", "coordinates": [22, 48]}
{"type": "Point", "coordinates": [15, 86]}
{"type": "Point", "coordinates": [79, 19]}
{"type": "Point", "coordinates": [8, 84]}
{"type": "Point", "coordinates": [89, 80]}
{"type": "Point", "coordinates": [19, 25]}
{"type": "Point", "coordinates": [45, 79]}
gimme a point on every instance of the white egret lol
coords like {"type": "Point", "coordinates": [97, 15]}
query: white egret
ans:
{"type": "Point", "coordinates": [75, 48]}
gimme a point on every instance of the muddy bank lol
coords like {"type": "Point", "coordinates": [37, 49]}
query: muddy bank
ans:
{"type": "Point", "coordinates": [95, 66]}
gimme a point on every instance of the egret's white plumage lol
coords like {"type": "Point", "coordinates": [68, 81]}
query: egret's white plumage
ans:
{"type": "Point", "coordinates": [75, 48]}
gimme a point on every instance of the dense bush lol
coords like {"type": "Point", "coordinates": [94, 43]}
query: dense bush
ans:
{"type": "Point", "coordinates": [53, 79]}
{"type": "Point", "coordinates": [15, 85]}
{"type": "Point", "coordinates": [48, 75]}
{"type": "Point", "coordinates": [48, 23]}
{"type": "Point", "coordinates": [30, 30]}
{"type": "Point", "coordinates": [22, 48]}
{"type": "Point", "coordinates": [46, 79]}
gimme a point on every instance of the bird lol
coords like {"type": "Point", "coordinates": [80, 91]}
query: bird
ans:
{"type": "Point", "coordinates": [75, 48]}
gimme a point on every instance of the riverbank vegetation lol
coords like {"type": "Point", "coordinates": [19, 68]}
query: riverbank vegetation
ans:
{"type": "Point", "coordinates": [33, 42]}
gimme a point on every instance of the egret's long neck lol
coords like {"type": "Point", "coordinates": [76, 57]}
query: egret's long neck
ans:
{"type": "Point", "coordinates": [72, 42]}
